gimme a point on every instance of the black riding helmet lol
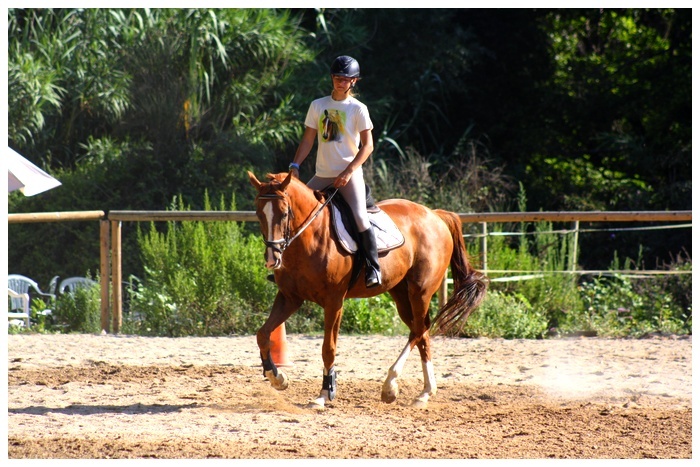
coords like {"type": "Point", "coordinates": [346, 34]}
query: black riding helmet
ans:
{"type": "Point", "coordinates": [345, 66]}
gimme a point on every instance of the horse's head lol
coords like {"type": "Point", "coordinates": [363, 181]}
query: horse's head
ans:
{"type": "Point", "coordinates": [272, 206]}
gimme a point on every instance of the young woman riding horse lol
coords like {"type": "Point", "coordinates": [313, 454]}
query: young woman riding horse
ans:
{"type": "Point", "coordinates": [342, 126]}
{"type": "Point", "coordinates": [309, 264]}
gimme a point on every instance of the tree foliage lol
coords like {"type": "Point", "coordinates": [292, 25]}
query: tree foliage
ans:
{"type": "Point", "coordinates": [130, 108]}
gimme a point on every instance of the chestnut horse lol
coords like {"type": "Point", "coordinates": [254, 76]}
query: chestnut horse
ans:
{"type": "Point", "coordinates": [309, 264]}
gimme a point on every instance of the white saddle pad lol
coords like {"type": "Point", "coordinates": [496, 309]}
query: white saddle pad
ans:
{"type": "Point", "coordinates": [385, 231]}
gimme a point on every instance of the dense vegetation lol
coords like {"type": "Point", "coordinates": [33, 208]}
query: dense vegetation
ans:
{"type": "Point", "coordinates": [474, 110]}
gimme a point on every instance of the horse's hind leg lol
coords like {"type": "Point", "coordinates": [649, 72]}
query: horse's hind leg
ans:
{"type": "Point", "coordinates": [429, 384]}
{"type": "Point", "coordinates": [414, 312]}
{"type": "Point", "coordinates": [420, 303]}
{"type": "Point", "coordinates": [390, 389]}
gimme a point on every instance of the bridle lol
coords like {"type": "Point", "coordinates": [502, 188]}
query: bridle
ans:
{"type": "Point", "coordinates": [283, 243]}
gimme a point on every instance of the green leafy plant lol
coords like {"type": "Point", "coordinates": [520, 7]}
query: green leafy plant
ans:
{"type": "Point", "coordinates": [78, 311]}
{"type": "Point", "coordinates": [552, 294]}
{"type": "Point", "coordinates": [201, 278]}
{"type": "Point", "coordinates": [374, 315]}
{"type": "Point", "coordinates": [507, 316]}
{"type": "Point", "coordinates": [618, 305]}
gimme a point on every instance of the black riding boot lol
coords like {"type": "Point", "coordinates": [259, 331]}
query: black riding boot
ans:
{"type": "Point", "coordinates": [373, 274]}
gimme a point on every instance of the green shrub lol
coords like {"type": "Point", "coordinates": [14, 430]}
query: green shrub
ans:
{"type": "Point", "coordinates": [509, 316]}
{"type": "Point", "coordinates": [201, 278]}
{"type": "Point", "coordinates": [308, 319]}
{"type": "Point", "coordinates": [208, 278]}
{"type": "Point", "coordinates": [374, 315]}
{"type": "Point", "coordinates": [670, 297]}
{"type": "Point", "coordinates": [614, 307]}
{"type": "Point", "coordinates": [555, 293]}
{"type": "Point", "coordinates": [78, 311]}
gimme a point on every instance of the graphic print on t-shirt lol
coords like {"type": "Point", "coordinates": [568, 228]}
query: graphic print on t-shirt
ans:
{"type": "Point", "coordinates": [332, 125]}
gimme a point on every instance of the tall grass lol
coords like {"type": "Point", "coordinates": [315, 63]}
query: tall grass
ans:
{"type": "Point", "coordinates": [616, 305]}
{"type": "Point", "coordinates": [78, 311]}
{"type": "Point", "coordinates": [526, 308]}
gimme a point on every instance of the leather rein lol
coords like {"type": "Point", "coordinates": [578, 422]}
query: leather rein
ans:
{"type": "Point", "coordinates": [282, 244]}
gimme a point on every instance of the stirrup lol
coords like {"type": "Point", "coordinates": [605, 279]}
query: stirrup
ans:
{"type": "Point", "coordinates": [372, 278]}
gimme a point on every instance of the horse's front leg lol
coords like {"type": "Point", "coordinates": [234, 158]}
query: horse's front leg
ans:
{"type": "Point", "coordinates": [332, 316]}
{"type": "Point", "coordinates": [282, 308]}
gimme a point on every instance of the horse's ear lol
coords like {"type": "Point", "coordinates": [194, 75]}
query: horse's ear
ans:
{"type": "Point", "coordinates": [254, 181]}
{"type": "Point", "coordinates": [286, 181]}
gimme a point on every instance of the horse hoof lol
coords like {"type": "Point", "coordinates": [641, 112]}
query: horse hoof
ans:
{"type": "Point", "coordinates": [279, 382]}
{"type": "Point", "coordinates": [390, 390]}
{"type": "Point", "coordinates": [420, 402]}
{"type": "Point", "coordinates": [282, 382]}
{"type": "Point", "coordinates": [318, 404]}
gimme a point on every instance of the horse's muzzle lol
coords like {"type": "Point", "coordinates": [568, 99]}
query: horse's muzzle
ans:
{"type": "Point", "coordinates": [273, 259]}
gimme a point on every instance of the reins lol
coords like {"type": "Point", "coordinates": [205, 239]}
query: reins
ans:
{"type": "Point", "coordinates": [286, 241]}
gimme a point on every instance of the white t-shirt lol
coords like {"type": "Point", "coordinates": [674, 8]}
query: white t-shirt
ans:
{"type": "Point", "coordinates": [338, 124]}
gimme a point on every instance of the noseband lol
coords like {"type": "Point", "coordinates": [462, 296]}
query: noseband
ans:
{"type": "Point", "coordinates": [282, 244]}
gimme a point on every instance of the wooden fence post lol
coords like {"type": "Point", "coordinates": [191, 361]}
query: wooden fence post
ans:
{"type": "Point", "coordinates": [104, 275]}
{"type": "Point", "coordinates": [574, 253]}
{"type": "Point", "coordinates": [484, 247]}
{"type": "Point", "coordinates": [116, 276]}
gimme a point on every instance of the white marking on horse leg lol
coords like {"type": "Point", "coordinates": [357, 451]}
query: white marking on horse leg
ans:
{"type": "Point", "coordinates": [279, 382]}
{"type": "Point", "coordinates": [390, 389]}
{"type": "Point", "coordinates": [329, 389]}
{"type": "Point", "coordinates": [320, 401]}
{"type": "Point", "coordinates": [429, 385]}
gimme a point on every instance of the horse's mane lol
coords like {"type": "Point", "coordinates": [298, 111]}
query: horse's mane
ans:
{"type": "Point", "coordinates": [296, 185]}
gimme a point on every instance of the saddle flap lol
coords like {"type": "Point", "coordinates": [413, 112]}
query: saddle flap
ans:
{"type": "Point", "coordinates": [385, 231]}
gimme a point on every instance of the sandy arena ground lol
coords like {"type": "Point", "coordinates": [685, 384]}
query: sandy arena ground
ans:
{"type": "Point", "coordinates": [88, 396]}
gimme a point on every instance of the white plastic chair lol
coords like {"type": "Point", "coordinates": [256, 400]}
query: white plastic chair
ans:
{"type": "Point", "coordinates": [71, 284]}
{"type": "Point", "coordinates": [20, 290]}
{"type": "Point", "coordinates": [19, 308]}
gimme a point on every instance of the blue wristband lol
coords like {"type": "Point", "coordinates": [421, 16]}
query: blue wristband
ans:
{"type": "Point", "coordinates": [293, 165]}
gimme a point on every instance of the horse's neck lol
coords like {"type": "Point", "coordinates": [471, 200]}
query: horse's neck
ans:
{"type": "Point", "coordinates": [305, 206]}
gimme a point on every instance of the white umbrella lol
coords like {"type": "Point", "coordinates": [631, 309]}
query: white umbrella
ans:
{"type": "Point", "coordinates": [24, 176]}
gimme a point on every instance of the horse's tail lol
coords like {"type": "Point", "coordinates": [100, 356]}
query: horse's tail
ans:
{"type": "Point", "coordinates": [469, 285]}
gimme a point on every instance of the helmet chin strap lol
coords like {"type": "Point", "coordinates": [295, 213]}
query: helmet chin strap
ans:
{"type": "Point", "coordinates": [352, 86]}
